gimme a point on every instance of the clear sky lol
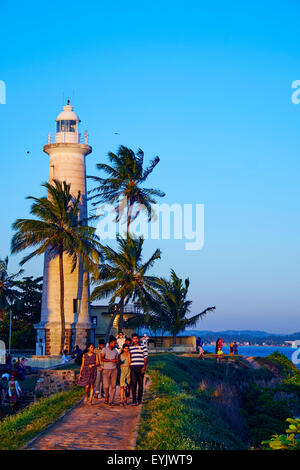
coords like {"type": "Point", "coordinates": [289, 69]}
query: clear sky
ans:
{"type": "Point", "coordinates": [204, 85]}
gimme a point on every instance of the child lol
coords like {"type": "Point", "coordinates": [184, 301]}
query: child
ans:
{"type": "Point", "coordinates": [64, 357]}
{"type": "Point", "coordinates": [201, 352]}
{"type": "Point", "coordinates": [219, 355]}
{"type": "Point", "coordinates": [14, 391]}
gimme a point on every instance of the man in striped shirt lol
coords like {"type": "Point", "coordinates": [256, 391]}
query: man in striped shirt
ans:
{"type": "Point", "coordinates": [139, 356]}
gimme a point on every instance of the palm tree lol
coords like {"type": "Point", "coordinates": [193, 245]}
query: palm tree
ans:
{"type": "Point", "coordinates": [125, 177]}
{"type": "Point", "coordinates": [58, 230]}
{"type": "Point", "coordinates": [173, 306]}
{"type": "Point", "coordinates": [8, 284]}
{"type": "Point", "coordinates": [123, 276]}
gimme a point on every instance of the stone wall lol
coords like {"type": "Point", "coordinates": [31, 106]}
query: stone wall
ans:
{"type": "Point", "coordinates": [53, 381]}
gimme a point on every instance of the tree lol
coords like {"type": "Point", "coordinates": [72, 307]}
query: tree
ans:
{"type": "Point", "coordinates": [8, 283]}
{"type": "Point", "coordinates": [8, 295]}
{"type": "Point", "coordinates": [288, 441]}
{"type": "Point", "coordinates": [26, 311]}
{"type": "Point", "coordinates": [57, 230]}
{"type": "Point", "coordinates": [123, 276]}
{"type": "Point", "coordinates": [27, 306]}
{"type": "Point", "coordinates": [173, 306]}
{"type": "Point", "coordinates": [126, 175]}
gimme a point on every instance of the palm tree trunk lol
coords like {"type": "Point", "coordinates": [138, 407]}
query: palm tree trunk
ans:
{"type": "Point", "coordinates": [62, 301]}
{"type": "Point", "coordinates": [116, 312]}
{"type": "Point", "coordinates": [129, 215]}
{"type": "Point", "coordinates": [121, 317]}
{"type": "Point", "coordinates": [174, 338]}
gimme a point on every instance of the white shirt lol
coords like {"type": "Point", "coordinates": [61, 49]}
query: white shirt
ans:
{"type": "Point", "coordinates": [64, 359]}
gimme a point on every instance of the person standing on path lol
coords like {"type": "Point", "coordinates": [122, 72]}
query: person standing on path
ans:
{"type": "Point", "coordinates": [99, 378]}
{"type": "Point", "coordinates": [109, 356]}
{"type": "Point", "coordinates": [77, 355]}
{"type": "Point", "coordinates": [139, 357]}
{"type": "Point", "coordinates": [200, 349]}
{"type": "Point", "coordinates": [88, 372]}
{"type": "Point", "coordinates": [120, 342]}
{"type": "Point", "coordinates": [125, 373]}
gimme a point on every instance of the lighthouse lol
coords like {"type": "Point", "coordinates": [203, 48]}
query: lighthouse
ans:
{"type": "Point", "coordinates": [66, 163]}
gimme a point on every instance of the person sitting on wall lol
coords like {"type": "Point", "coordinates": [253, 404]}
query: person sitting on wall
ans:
{"type": "Point", "coordinates": [64, 357]}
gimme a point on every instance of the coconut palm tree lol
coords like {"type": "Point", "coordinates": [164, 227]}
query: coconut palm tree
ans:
{"type": "Point", "coordinates": [173, 306]}
{"type": "Point", "coordinates": [58, 230]}
{"type": "Point", "coordinates": [123, 277]}
{"type": "Point", "coordinates": [123, 187]}
{"type": "Point", "coordinates": [8, 284]}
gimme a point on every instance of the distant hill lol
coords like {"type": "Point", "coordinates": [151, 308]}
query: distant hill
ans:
{"type": "Point", "coordinates": [252, 333]}
{"type": "Point", "coordinates": [251, 336]}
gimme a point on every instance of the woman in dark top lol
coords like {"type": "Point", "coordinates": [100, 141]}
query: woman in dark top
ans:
{"type": "Point", "coordinates": [88, 372]}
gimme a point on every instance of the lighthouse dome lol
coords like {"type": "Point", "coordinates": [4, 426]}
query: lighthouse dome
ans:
{"type": "Point", "coordinates": [67, 125]}
{"type": "Point", "coordinates": [68, 114]}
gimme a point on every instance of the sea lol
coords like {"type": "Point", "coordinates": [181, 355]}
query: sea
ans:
{"type": "Point", "coordinates": [261, 351]}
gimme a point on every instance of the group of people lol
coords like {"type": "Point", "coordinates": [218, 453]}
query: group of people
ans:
{"type": "Point", "coordinates": [233, 348]}
{"type": "Point", "coordinates": [100, 367]}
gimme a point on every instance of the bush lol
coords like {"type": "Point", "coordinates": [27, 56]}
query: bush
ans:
{"type": "Point", "coordinates": [288, 441]}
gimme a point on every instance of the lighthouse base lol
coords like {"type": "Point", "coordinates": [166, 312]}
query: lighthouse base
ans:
{"type": "Point", "coordinates": [48, 338]}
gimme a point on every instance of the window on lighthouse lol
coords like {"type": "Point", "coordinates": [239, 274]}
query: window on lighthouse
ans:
{"type": "Point", "coordinates": [66, 126]}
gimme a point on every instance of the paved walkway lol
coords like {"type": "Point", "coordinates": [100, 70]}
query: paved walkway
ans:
{"type": "Point", "coordinates": [95, 426]}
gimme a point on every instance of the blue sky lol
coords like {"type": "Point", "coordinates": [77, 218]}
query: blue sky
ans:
{"type": "Point", "coordinates": [207, 87]}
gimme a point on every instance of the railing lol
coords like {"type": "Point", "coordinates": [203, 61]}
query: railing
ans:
{"type": "Point", "coordinates": [68, 137]}
{"type": "Point", "coordinates": [20, 352]}
{"type": "Point", "coordinates": [132, 308]}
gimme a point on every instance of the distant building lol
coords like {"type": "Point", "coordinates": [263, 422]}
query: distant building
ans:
{"type": "Point", "coordinates": [100, 318]}
{"type": "Point", "coordinates": [292, 344]}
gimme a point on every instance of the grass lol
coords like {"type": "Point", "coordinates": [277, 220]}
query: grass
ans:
{"type": "Point", "coordinates": [195, 404]}
{"type": "Point", "coordinates": [18, 429]}
{"type": "Point", "coordinates": [176, 415]}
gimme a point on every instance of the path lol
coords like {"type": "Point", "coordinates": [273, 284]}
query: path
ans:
{"type": "Point", "coordinates": [96, 427]}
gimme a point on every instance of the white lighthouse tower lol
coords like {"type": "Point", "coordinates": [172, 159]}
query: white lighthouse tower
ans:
{"type": "Point", "coordinates": [67, 163]}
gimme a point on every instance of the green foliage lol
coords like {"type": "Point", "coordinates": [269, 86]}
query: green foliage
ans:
{"type": "Point", "coordinates": [263, 413]}
{"type": "Point", "coordinates": [126, 174]}
{"type": "Point", "coordinates": [23, 426]}
{"type": "Point", "coordinates": [123, 276]}
{"type": "Point", "coordinates": [8, 291]}
{"type": "Point", "coordinates": [58, 231]}
{"type": "Point", "coordinates": [57, 228]}
{"type": "Point", "coordinates": [176, 416]}
{"type": "Point", "coordinates": [172, 307]}
{"type": "Point", "coordinates": [288, 441]}
{"type": "Point", "coordinates": [26, 309]}
{"type": "Point", "coordinates": [288, 368]}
